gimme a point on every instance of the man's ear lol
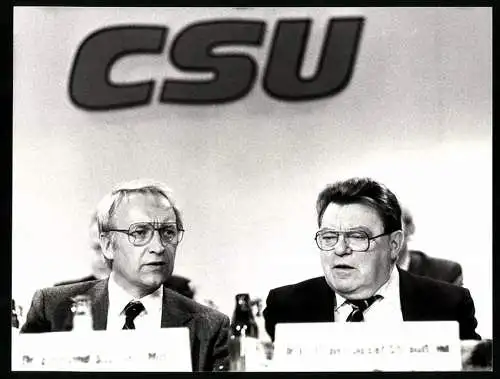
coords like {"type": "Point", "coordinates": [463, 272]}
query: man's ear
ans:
{"type": "Point", "coordinates": [396, 243]}
{"type": "Point", "coordinates": [106, 246]}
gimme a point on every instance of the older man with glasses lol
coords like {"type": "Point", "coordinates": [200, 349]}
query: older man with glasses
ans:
{"type": "Point", "coordinates": [359, 239]}
{"type": "Point", "coordinates": [140, 229]}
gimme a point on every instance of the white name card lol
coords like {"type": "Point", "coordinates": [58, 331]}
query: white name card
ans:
{"type": "Point", "coordinates": [166, 349]}
{"type": "Point", "coordinates": [365, 346]}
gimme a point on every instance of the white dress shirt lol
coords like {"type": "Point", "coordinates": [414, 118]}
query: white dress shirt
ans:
{"type": "Point", "coordinates": [149, 318]}
{"type": "Point", "coordinates": [385, 309]}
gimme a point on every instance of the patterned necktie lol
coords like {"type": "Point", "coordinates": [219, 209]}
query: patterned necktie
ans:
{"type": "Point", "coordinates": [359, 306]}
{"type": "Point", "coordinates": [131, 311]}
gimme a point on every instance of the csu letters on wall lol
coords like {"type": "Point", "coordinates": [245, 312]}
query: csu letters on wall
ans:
{"type": "Point", "coordinates": [234, 73]}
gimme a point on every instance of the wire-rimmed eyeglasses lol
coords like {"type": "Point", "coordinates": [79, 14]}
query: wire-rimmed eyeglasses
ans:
{"type": "Point", "coordinates": [141, 233]}
{"type": "Point", "coordinates": [327, 239]}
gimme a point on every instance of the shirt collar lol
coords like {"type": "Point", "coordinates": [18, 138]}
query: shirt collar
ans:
{"type": "Point", "coordinates": [119, 298]}
{"type": "Point", "coordinates": [154, 301]}
{"type": "Point", "coordinates": [389, 289]}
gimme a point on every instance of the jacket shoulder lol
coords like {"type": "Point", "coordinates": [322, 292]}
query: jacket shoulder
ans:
{"type": "Point", "coordinates": [67, 290]}
{"type": "Point", "coordinates": [437, 300]}
{"type": "Point", "coordinates": [51, 307]}
{"type": "Point", "coordinates": [304, 286]}
{"type": "Point", "coordinates": [87, 278]}
{"type": "Point", "coordinates": [304, 294]}
{"type": "Point", "coordinates": [311, 300]}
{"type": "Point", "coordinates": [435, 291]}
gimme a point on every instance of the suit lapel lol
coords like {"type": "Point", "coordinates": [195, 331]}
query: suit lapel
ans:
{"type": "Point", "coordinates": [319, 303]}
{"type": "Point", "coordinates": [328, 301]}
{"type": "Point", "coordinates": [100, 302]}
{"type": "Point", "coordinates": [173, 313]}
{"type": "Point", "coordinates": [412, 304]}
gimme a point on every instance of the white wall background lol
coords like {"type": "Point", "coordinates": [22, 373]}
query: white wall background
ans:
{"type": "Point", "coordinates": [416, 116]}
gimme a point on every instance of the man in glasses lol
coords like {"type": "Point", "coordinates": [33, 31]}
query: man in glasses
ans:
{"type": "Point", "coordinates": [140, 229]}
{"type": "Point", "coordinates": [359, 239]}
{"type": "Point", "coordinates": [101, 268]}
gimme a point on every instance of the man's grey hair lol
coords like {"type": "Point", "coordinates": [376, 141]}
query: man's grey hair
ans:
{"type": "Point", "coordinates": [109, 203]}
{"type": "Point", "coordinates": [408, 225]}
{"type": "Point", "coordinates": [99, 261]}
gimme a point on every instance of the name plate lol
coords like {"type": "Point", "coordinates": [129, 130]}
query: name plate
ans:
{"type": "Point", "coordinates": [365, 346]}
{"type": "Point", "coordinates": [166, 349]}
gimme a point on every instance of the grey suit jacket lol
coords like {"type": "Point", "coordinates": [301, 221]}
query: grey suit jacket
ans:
{"type": "Point", "coordinates": [50, 311]}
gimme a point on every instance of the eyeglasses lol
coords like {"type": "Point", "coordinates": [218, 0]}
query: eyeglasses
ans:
{"type": "Point", "coordinates": [141, 233]}
{"type": "Point", "coordinates": [356, 240]}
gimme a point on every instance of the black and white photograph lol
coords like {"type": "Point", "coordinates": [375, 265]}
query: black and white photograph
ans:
{"type": "Point", "coordinates": [324, 175]}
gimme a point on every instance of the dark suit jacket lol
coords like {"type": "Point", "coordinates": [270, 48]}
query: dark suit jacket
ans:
{"type": "Point", "coordinates": [422, 299]}
{"type": "Point", "coordinates": [435, 268]}
{"type": "Point", "coordinates": [51, 311]}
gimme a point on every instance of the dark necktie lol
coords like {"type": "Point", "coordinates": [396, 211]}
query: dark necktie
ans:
{"type": "Point", "coordinates": [131, 311]}
{"type": "Point", "coordinates": [359, 306]}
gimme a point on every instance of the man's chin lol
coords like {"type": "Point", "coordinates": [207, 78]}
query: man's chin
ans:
{"type": "Point", "coordinates": [154, 281]}
{"type": "Point", "coordinates": [342, 287]}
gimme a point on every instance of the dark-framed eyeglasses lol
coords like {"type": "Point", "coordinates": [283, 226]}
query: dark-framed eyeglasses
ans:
{"type": "Point", "coordinates": [327, 239]}
{"type": "Point", "coordinates": [141, 233]}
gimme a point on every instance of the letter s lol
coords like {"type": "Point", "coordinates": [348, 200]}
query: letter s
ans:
{"type": "Point", "coordinates": [192, 51]}
{"type": "Point", "coordinates": [90, 86]}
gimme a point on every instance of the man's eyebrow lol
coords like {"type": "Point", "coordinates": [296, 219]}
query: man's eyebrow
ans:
{"type": "Point", "coordinates": [164, 222]}
{"type": "Point", "coordinates": [352, 229]}
{"type": "Point", "coordinates": [359, 228]}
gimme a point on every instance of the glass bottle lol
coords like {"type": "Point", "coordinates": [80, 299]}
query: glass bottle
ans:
{"type": "Point", "coordinates": [82, 313]}
{"type": "Point", "coordinates": [244, 334]}
{"type": "Point", "coordinates": [14, 318]}
{"type": "Point", "coordinates": [265, 342]}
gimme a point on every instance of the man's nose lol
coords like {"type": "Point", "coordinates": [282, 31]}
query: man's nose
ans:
{"type": "Point", "coordinates": [342, 248]}
{"type": "Point", "coordinates": [156, 244]}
